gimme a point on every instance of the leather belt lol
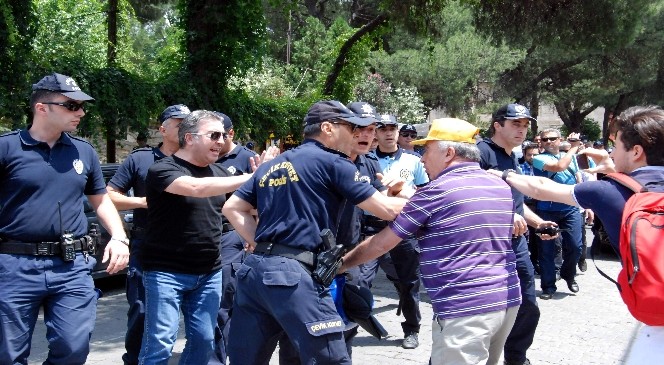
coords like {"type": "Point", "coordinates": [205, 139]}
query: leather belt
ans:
{"type": "Point", "coordinates": [42, 248]}
{"type": "Point", "coordinates": [227, 227]}
{"type": "Point", "coordinates": [303, 256]}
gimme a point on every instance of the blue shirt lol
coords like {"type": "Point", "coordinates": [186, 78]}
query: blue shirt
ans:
{"type": "Point", "coordinates": [302, 192]}
{"type": "Point", "coordinates": [404, 165]}
{"type": "Point", "coordinates": [463, 223]}
{"type": "Point", "coordinates": [132, 174]}
{"type": "Point", "coordinates": [237, 160]}
{"type": "Point", "coordinates": [566, 177]}
{"type": "Point", "coordinates": [40, 185]}
{"type": "Point", "coordinates": [492, 156]}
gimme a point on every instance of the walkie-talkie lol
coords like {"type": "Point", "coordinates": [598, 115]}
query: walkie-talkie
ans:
{"type": "Point", "coordinates": [67, 249]}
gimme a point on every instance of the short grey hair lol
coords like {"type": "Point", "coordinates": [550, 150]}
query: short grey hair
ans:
{"type": "Point", "coordinates": [550, 130]}
{"type": "Point", "coordinates": [464, 151]}
{"type": "Point", "coordinates": [191, 123]}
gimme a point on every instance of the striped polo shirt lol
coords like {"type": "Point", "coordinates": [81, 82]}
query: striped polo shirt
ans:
{"type": "Point", "coordinates": [463, 221]}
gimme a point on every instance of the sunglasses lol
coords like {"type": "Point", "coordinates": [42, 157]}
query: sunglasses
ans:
{"type": "Point", "coordinates": [353, 127]}
{"type": "Point", "coordinates": [408, 135]}
{"type": "Point", "coordinates": [215, 136]}
{"type": "Point", "coordinates": [549, 139]}
{"type": "Point", "coordinates": [70, 105]}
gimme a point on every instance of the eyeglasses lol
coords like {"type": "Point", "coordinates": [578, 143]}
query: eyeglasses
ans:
{"type": "Point", "coordinates": [353, 127]}
{"type": "Point", "coordinates": [549, 139]}
{"type": "Point", "coordinates": [70, 105]}
{"type": "Point", "coordinates": [408, 135]}
{"type": "Point", "coordinates": [213, 135]}
{"type": "Point", "coordinates": [573, 140]}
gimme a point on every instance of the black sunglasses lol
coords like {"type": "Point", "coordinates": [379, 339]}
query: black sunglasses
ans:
{"type": "Point", "coordinates": [548, 139]}
{"type": "Point", "coordinates": [406, 135]}
{"type": "Point", "coordinates": [70, 105]}
{"type": "Point", "coordinates": [213, 135]}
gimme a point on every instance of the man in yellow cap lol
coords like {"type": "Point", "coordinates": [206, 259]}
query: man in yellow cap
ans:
{"type": "Point", "coordinates": [463, 221]}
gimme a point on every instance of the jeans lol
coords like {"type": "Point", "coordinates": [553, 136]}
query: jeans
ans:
{"type": "Point", "coordinates": [165, 294]}
{"type": "Point", "coordinates": [571, 223]}
{"type": "Point", "coordinates": [64, 289]}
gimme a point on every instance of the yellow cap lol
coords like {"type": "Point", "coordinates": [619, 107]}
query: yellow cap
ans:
{"type": "Point", "coordinates": [450, 129]}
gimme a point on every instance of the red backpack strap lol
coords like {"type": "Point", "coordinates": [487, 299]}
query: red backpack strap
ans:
{"type": "Point", "coordinates": [627, 181]}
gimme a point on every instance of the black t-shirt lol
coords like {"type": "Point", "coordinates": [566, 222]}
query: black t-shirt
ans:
{"type": "Point", "coordinates": [183, 232]}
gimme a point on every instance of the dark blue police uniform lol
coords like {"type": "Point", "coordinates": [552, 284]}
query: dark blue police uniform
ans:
{"type": "Point", "coordinates": [41, 186]}
{"type": "Point", "coordinates": [232, 252]}
{"type": "Point", "coordinates": [523, 332]}
{"type": "Point", "coordinates": [298, 194]}
{"type": "Point", "coordinates": [132, 174]}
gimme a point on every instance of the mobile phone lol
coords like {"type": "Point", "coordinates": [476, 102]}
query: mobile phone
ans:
{"type": "Point", "coordinates": [582, 161]}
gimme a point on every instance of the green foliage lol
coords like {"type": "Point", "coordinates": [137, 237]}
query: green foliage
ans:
{"type": "Point", "coordinates": [589, 128]}
{"type": "Point", "coordinates": [402, 101]}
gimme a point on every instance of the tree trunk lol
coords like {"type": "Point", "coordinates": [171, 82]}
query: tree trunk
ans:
{"type": "Point", "coordinates": [572, 116]}
{"type": "Point", "coordinates": [534, 112]}
{"type": "Point", "coordinates": [343, 52]}
{"type": "Point", "coordinates": [111, 58]}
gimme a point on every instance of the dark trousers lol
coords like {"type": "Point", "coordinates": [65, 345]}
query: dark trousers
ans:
{"type": "Point", "coordinates": [570, 221]}
{"type": "Point", "coordinates": [232, 253]}
{"type": "Point", "coordinates": [523, 332]}
{"type": "Point", "coordinates": [402, 267]}
{"type": "Point", "coordinates": [136, 300]}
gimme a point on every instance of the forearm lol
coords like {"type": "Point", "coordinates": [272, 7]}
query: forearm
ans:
{"type": "Point", "coordinates": [206, 186]}
{"type": "Point", "coordinates": [541, 188]}
{"type": "Point", "coordinates": [531, 217]}
{"type": "Point", "coordinates": [383, 207]}
{"type": "Point", "coordinates": [240, 214]}
{"type": "Point", "coordinates": [124, 202]}
{"type": "Point", "coordinates": [371, 248]}
{"type": "Point", "coordinates": [109, 217]}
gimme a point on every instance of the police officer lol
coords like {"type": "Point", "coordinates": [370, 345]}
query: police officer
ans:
{"type": "Point", "coordinates": [297, 195]}
{"type": "Point", "coordinates": [132, 174]}
{"type": "Point", "coordinates": [45, 175]}
{"type": "Point", "coordinates": [236, 159]}
{"type": "Point", "coordinates": [401, 265]}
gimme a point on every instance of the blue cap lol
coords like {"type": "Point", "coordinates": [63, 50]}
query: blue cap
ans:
{"type": "Point", "coordinates": [62, 84]}
{"type": "Point", "coordinates": [386, 119]}
{"type": "Point", "coordinates": [329, 110]}
{"type": "Point", "coordinates": [228, 123]}
{"type": "Point", "coordinates": [178, 111]}
{"type": "Point", "coordinates": [364, 110]}
{"type": "Point", "coordinates": [511, 112]}
{"type": "Point", "coordinates": [408, 128]}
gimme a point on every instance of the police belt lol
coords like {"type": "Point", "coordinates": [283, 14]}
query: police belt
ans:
{"type": "Point", "coordinates": [303, 256]}
{"type": "Point", "coordinates": [374, 222]}
{"type": "Point", "coordinates": [227, 227]}
{"type": "Point", "coordinates": [43, 248]}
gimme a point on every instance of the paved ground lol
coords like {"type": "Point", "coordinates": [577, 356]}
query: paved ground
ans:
{"type": "Point", "coordinates": [590, 327]}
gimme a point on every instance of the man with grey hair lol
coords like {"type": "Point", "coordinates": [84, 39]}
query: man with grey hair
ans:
{"type": "Point", "coordinates": [562, 168]}
{"type": "Point", "coordinates": [467, 262]}
{"type": "Point", "coordinates": [180, 256]}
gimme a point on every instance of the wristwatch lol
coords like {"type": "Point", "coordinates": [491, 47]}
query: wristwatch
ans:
{"type": "Point", "coordinates": [124, 240]}
{"type": "Point", "coordinates": [506, 172]}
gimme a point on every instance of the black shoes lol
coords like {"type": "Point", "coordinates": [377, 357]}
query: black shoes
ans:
{"type": "Point", "coordinates": [527, 362]}
{"type": "Point", "coordinates": [583, 265]}
{"type": "Point", "coordinates": [546, 296]}
{"type": "Point", "coordinates": [572, 286]}
{"type": "Point", "coordinates": [410, 342]}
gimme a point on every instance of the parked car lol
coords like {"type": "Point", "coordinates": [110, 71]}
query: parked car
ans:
{"type": "Point", "coordinates": [99, 271]}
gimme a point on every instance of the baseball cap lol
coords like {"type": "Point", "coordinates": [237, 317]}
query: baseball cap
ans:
{"type": "Point", "coordinates": [597, 144]}
{"type": "Point", "coordinates": [408, 128]}
{"type": "Point", "coordinates": [177, 111]}
{"type": "Point", "coordinates": [513, 111]}
{"type": "Point", "coordinates": [450, 129]}
{"type": "Point", "coordinates": [331, 110]}
{"type": "Point", "coordinates": [228, 123]}
{"type": "Point", "coordinates": [364, 110]}
{"type": "Point", "coordinates": [62, 84]}
{"type": "Point", "coordinates": [386, 119]}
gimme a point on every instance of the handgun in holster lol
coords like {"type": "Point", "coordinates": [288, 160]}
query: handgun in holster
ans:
{"type": "Point", "coordinates": [67, 249]}
{"type": "Point", "coordinates": [329, 261]}
{"type": "Point", "coordinates": [94, 235]}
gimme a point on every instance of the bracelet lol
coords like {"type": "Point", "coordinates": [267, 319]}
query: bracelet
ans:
{"type": "Point", "coordinates": [505, 173]}
{"type": "Point", "coordinates": [124, 240]}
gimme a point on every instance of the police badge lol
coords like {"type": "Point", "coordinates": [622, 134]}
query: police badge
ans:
{"type": "Point", "coordinates": [78, 166]}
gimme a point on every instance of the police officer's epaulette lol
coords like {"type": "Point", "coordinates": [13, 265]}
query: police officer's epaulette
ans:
{"type": "Point", "coordinates": [80, 139]}
{"type": "Point", "coordinates": [10, 133]}
{"type": "Point", "coordinates": [372, 155]}
{"type": "Point", "coordinates": [411, 153]}
{"type": "Point", "coordinates": [141, 149]}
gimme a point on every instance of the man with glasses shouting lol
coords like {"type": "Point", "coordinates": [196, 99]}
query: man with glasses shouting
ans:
{"type": "Point", "coordinates": [45, 174]}
{"type": "Point", "coordinates": [180, 256]}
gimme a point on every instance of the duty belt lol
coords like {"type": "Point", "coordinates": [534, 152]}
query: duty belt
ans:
{"type": "Point", "coordinates": [83, 244]}
{"type": "Point", "coordinates": [303, 256]}
{"type": "Point", "coordinates": [227, 227]}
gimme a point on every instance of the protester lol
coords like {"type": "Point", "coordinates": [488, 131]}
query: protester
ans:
{"type": "Point", "coordinates": [132, 175]}
{"type": "Point", "coordinates": [297, 196]}
{"type": "Point", "coordinates": [45, 252]}
{"type": "Point", "coordinates": [468, 265]}
{"type": "Point", "coordinates": [507, 131]}
{"type": "Point", "coordinates": [638, 134]}
{"type": "Point", "coordinates": [180, 256]}
{"type": "Point", "coordinates": [401, 264]}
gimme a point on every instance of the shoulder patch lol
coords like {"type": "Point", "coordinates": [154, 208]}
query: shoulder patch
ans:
{"type": "Point", "coordinates": [81, 139]}
{"type": "Point", "coordinates": [142, 149]}
{"type": "Point", "coordinates": [11, 133]}
{"type": "Point", "coordinates": [372, 155]}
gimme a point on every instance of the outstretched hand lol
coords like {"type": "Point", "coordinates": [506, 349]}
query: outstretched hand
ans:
{"type": "Point", "coordinates": [269, 154]}
{"type": "Point", "coordinates": [395, 186]}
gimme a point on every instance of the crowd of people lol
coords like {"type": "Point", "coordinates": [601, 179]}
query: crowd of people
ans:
{"type": "Point", "coordinates": [257, 251]}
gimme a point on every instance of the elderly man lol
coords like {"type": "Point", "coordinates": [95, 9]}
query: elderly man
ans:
{"type": "Point", "coordinates": [463, 220]}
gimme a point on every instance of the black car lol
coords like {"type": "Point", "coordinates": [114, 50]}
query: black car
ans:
{"type": "Point", "coordinates": [99, 271]}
